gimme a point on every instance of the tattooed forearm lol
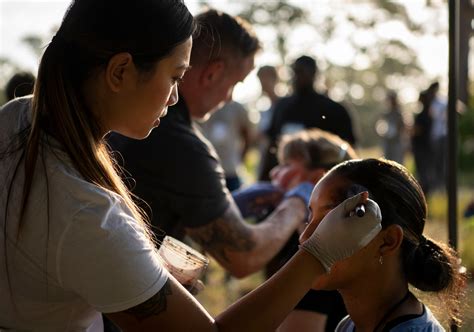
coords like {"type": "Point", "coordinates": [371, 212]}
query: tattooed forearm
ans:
{"type": "Point", "coordinates": [153, 306]}
{"type": "Point", "coordinates": [228, 232]}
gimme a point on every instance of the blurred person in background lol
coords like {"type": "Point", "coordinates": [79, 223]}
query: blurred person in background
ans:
{"type": "Point", "coordinates": [421, 143]}
{"type": "Point", "coordinates": [19, 85]}
{"type": "Point", "coordinates": [439, 131]}
{"type": "Point", "coordinates": [268, 77]}
{"type": "Point", "coordinates": [231, 132]}
{"type": "Point", "coordinates": [391, 127]}
{"type": "Point", "coordinates": [305, 108]}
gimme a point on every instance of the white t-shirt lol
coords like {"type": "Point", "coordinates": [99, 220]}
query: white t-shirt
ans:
{"type": "Point", "coordinates": [79, 251]}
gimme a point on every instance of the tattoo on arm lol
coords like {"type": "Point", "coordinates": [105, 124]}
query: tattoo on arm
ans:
{"type": "Point", "coordinates": [227, 232]}
{"type": "Point", "coordinates": [153, 306]}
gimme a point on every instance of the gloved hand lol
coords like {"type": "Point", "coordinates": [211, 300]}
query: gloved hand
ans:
{"type": "Point", "coordinates": [303, 191]}
{"type": "Point", "coordinates": [341, 233]}
{"type": "Point", "coordinates": [257, 200]}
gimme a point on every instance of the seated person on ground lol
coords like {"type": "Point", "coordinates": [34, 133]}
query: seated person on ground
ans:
{"type": "Point", "coordinates": [374, 283]}
{"type": "Point", "coordinates": [303, 156]}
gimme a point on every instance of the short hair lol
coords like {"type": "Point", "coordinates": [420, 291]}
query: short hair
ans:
{"type": "Point", "coordinates": [269, 70]}
{"type": "Point", "coordinates": [307, 62]}
{"type": "Point", "coordinates": [220, 35]}
{"type": "Point", "coordinates": [19, 85]}
{"type": "Point", "coordinates": [316, 148]}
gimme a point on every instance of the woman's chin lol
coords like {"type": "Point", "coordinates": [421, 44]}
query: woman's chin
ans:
{"type": "Point", "coordinates": [138, 134]}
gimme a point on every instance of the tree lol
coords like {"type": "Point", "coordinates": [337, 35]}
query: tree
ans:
{"type": "Point", "coordinates": [379, 62]}
{"type": "Point", "coordinates": [280, 15]}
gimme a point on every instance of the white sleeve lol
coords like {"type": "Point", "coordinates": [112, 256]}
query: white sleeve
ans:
{"type": "Point", "coordinates": [106, 259]}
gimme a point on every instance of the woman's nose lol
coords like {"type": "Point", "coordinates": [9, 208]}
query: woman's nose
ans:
{"type": "Point", "coordinates": [173, 99]}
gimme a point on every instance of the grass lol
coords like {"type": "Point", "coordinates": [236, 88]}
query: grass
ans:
{"type": "Point", "coordinates": [222, 290]}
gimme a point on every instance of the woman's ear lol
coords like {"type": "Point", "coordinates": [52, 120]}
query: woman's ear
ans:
{"type": "Point", "coordinates": [392, 238]}
{"type": "Point", "coordinates": [118, 69]}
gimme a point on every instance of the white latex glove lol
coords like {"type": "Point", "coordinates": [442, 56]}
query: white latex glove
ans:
{"type": "Point", "coordinates": [341, 233]}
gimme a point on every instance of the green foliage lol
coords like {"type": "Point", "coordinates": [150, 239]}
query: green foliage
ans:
{"type": "Point", "coordinates": [35, 43]}
{"type": "Point", "coordinates": [385, 63]}
{"type": "Point", "coordinates": [280, 15]}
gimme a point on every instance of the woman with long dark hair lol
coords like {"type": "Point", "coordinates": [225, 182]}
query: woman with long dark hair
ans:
{"type": "Point", "coordinates": [73, 243]}
{"type": "Point", "coordinates": [374, 282]}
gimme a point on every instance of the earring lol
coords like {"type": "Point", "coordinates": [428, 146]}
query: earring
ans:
{"type": "Point", "coordinates": [381, 260]}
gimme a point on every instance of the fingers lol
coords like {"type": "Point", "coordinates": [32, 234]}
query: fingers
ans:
{"type": "Point", "coordinates": [372, 206]}
{"type": "Point", "coordinates": [351, 203]}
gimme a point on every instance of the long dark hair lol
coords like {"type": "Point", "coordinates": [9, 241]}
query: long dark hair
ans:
{"type": "Point", "coordinates": [92, 31]}
{"type": "Point", "coordinates": [428, 265]}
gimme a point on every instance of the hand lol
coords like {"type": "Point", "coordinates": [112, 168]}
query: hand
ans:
{"type": "Point", "coordinates": [341, 233]}
{"type": "Point", "coordinates": [257, 200]}
{"type": "Point", "coordinates": [303, 191]}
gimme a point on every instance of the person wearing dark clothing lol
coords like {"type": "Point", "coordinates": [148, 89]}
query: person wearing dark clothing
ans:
{"type": "Point", "coordinates": [178, 172]}
{"type": "Point", "coordinates": [306, 108]}
{"type": "Point", "coordinates": [176, 200]}
{"type": "Point", "coordinates": [19, 85]}
{"type": "Point", "coordinates": [422, 147]}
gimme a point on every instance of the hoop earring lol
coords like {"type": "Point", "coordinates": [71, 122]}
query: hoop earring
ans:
{"type": "Point", "coordinates": [381, 260]}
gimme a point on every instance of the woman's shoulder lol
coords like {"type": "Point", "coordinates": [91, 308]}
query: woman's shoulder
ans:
{"type": "Point", "coordinates": [427, 322]}
{"type": "Point", "coordinates": [71, 192]}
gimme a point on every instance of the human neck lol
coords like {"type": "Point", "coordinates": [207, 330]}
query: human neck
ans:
{"type": "Point", "coordinates": [367, 305]}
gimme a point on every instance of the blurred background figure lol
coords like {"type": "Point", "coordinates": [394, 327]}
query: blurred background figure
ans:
{"type": "Point", "coordinates": [305, 108]}
{"type": "Point", "coordinates": [392, 129]}
{"type": "Point", "coordinates": [268, 77]}
{"type": "Point", "coordinates": [439, 130]}
{"type": "Point", "coordinates": [19, 85]}
{"type": "Point", "coordinates": [421, 143]}
{"type": "Point", "coordinates": [231, 133]}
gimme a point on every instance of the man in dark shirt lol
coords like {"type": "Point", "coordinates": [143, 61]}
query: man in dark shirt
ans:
{"type": "Point", "coordinates": [177, 171]}
{"type": "Point", "coordinates": [305, 108]}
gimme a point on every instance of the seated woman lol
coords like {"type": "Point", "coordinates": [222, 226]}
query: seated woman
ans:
{"type": "Point", "coordinates": [304, 156]}
{"type": "Point", "coordinates": [374, 283]}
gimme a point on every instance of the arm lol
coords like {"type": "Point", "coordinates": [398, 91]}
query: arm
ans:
{"type": "Point", "coordinates": [165, 310]}
{"type": "Point", "coordinates": [242, 248]}
{"type": "Point", "coordinates": [264, 308]}
{"type": "Point", "coordinates": [304, 321]}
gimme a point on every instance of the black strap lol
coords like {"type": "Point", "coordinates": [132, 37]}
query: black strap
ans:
{"type": "Point", "coordinates": [391, 310]}
{"type": "Point", "coordinates": [391, 324]}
